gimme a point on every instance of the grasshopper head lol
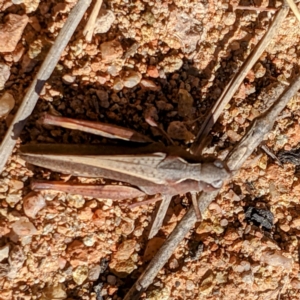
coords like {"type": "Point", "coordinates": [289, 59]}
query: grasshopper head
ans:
{"type": "Point", "coordinates": [213, 174]}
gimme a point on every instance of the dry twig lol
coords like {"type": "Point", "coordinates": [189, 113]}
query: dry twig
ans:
{"type": "Point", "coordinates": [294, 8]}
{"type": "Point", "coordinates": [90, 25]}
{"type": "Point", "coordinates": [36, 86]}
{"type": "Point", "coordinates": [241, 7]}
{"type": "Point", "coordinates": [236, 81]}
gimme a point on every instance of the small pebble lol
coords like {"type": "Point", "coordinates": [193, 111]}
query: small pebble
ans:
{"type": "Point", "coordinates": [4, 251]}
{"type": "Point", "coordinates": [118, 84]}
{"type": "Point", "coordinates": [94, 273]}
{"type": "Point", "coordinates": [104, 21]}
{"type": "Point", "coordinates": [13, 199]}
{"type": "Point", "coordinates": [103, 98]}
{"type": "Point", "coordinates": [80, 274]}
{"type": "Point", "coordinates": [190, 286]}
{"type": "Point", "coordinates": [111, 50]}
{"type": "Point", "coordinates": [171, 64]}
{"type": "Point", "coordinates": [111, 279]}
{"type": "Point", "coordinates": [178, 131]}
{"type": "Point", "coordinates": [33, 203]}
{"type": "Point", "coordinates": [23, 227]}
{"type": "Point", "coordinates": [68, 79]}
{"type": "Point", "coordinates": [223, 222]}
{"type": "Point", "coordinates": [185, 104]}
{"type": "Point", "coordinates": [131, 78]}
{"type": "Point", "coordinates": [7, 103]}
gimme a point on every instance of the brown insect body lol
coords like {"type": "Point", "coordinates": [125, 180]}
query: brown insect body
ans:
{"type": "Point", "coordinates": [158, 172]}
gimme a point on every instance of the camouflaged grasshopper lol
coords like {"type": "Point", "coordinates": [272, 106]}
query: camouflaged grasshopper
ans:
{"type": "Point", "coordinates": [151, 169]}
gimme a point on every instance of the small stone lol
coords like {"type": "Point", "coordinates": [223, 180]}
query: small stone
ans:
{"type": "Point", "coordinates": [229, 18]}
{"type": "Point", "coordinates": [103, 98]}
{"type": "Point", "coordinates": [295, 283]}
{"type": "Point", "coordinates": [76, 201]}
{"type": "Point", "coordinates": [171, 64]}
{"type": "Point", "coordinates": [3, 228]}
{"type": "Point", "coordinates": [99, 218]}
{"type": "Point", "coordinates": [31, 5]}
{"type": "Point", "coordinates": [285, 227]}
{"type": "Point", "coordinates": [185, 104]}
{"type": "Point", "coordinates": [89, 240]}
{"type": "Point", "coordinates": [131, 78]}
{"type": "Point", "coordinates": [114, 69]}
{"type": "Point", "coordinates": [111, 50]}
{"type": "Point", "coordinates": [118, 84]}
{"type": "Point", "coordinates": [259, 70]}
{"type": "Point", "coordinates": [247, 277]}
{"type": "Point", "coordinates": [23, 227]}
{"type": "Point", "coordinates": [104, 21]}
{"type": "Point", "coordinates": [111, 279]}
{"type": "Point", "coordinates": [178, 131]}
{"type": "Point", "coordinates": [206, 285]}
{"type": "Point", "coordinates": [296, 223]}
{"type": "Point", "coordinates": [231, 234]}
{"type": "Point", "coordinates": [85, 214]}
{"type": "Point", "coordinates": [16, 260]}
{"type": "Point", "coordinates": [33, 203]}
{"type": "Point", "coordinates": [159, 294]}
{"type": "Point", "coordinates": [235, 45]}
{"type": "Point", "coordinates": [275, 259]}
{"type": "Point", "coordinates": [68, 79]}
{"type": "Point", "coordinates": [57, 292]}
{"type": "Point", "coordinates": [149, 85]}
{"type": "Point", "coordinates": [11, 31]}
{"type": "Point", "coordinates": [7, 103]}
{"type": "Point", "coordinates": [125, 250]}
{"type": "Point", "coordinates": [6, 294]}
{"type": "Point", "coordinates": [151, 115]}
{"type": "Point", "coordinates": [61, 262]}
{"type": "Point", "coordinates": [223, 222]}
{"type": "Point", "coordinates": [190, 286]}
{"type": "Point", "coordinates": [80, 274]}
{"type": "Point", "coordinates": [122, 268]}
{"type": "Point", "coordinates": [242, 266]}
{"type": "Point", "coordinates": [94, 273]}
{"type": "Point", "coordinates": [4, 251]}
{"type": "Point", "coordinates": [13, 199]}
{"type": "Point", "coordinates": [16, 185]}
{"type": "Point", "coordinates": [152, 72]}
{"type": "Point", "coordinates": [127, 227]}
{"type": "Point", "coordinates": [173, 264]}
{"type": "Point", "coordinates": [233, 136]}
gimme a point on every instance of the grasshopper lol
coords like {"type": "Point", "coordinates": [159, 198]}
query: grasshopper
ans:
{"type": "Point", "coordinates": [150, 169]}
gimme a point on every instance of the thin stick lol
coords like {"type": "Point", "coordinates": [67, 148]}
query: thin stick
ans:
{"type": "Point", "coordinates": [42, 76]}
{"type": "Point", "coordinates": [254, 8]}
{"type": "Point", "coordinates": [159, 215]}
{"type": "Point", "coordinates": [236, 81]}
{"type": "Point", "coordinates": [294, 8]}
{"type": "Point", "coordinates": [270, 153]}
{"type": "Point", "coordinates": [234, 160]}
{"type": "Point", "coordinates": [196, 207]}
{"type": "Point", "coordinates": [90, 25]}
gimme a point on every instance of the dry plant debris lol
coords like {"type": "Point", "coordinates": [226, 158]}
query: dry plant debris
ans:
{"type": "Point", "coordinates": [168, 61]}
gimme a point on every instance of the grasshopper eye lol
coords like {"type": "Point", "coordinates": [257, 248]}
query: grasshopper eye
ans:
{"type": "Point", "coordinates": [217, 184]}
